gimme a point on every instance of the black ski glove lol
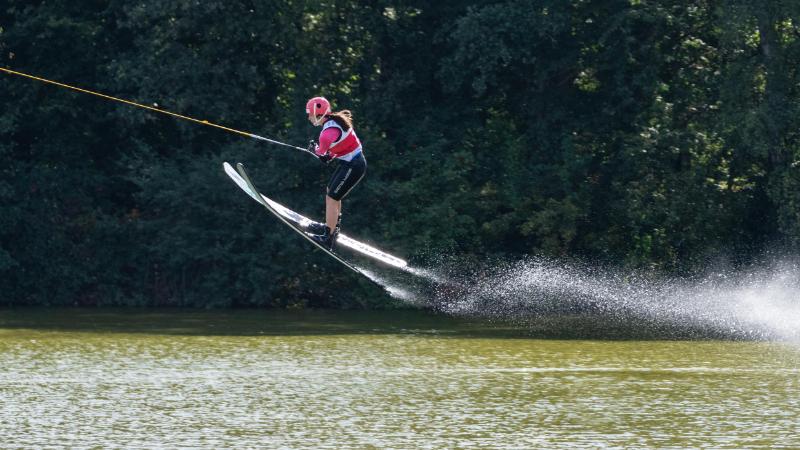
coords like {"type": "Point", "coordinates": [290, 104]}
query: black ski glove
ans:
{"type": "Point", "coordinates": [312, 147]}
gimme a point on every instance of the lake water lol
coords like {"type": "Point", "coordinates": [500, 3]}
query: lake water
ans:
{"type": "Point", "coordinates": [265, 379]}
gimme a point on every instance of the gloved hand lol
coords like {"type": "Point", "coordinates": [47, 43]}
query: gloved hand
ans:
{"type": "Point", "coordinates": [326, 158]}
{"type": "Point", "coordinates": [312, 146]}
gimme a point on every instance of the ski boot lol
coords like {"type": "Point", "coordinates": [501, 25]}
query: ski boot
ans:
{"type": "Point", "coordinates": [316, 228]}
{"type": "Point", "coordinates": [326, 239]}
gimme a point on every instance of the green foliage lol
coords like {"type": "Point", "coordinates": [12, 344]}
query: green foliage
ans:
{"type": "Point", "coordinates": [649, 134]}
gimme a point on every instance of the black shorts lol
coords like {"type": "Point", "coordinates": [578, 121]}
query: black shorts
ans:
{"type": "Point", "coordinates": [346, 176]}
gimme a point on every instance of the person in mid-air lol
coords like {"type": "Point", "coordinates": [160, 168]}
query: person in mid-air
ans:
{"type": "Point", "coordinates": [337, 140]}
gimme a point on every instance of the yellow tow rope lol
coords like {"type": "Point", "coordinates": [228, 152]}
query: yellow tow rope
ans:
{"type": "Point", "coordinates": [151, 108]}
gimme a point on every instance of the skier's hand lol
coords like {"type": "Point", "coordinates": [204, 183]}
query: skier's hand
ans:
{"type": "Point", "coordinates": [326, 158]}
{"type": "Point", "coordinates": [312, 147]}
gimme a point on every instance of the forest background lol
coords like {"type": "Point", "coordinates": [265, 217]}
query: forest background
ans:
{"type": "Point", "coordinates": [654, 135]}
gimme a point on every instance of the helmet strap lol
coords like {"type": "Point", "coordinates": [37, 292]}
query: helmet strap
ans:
{"type": "Point", "coordinates": [317, 119]}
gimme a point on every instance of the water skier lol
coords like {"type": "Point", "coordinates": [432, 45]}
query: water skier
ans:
{"type": "Point", "coordinates": [337, 140]}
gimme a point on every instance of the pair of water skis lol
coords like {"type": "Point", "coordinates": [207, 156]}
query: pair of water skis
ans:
{"type": "Point", "coordinates": [300, 224]}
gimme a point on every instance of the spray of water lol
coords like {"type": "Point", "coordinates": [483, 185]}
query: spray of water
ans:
{"type": "Point", "coordinates": [761, 303]}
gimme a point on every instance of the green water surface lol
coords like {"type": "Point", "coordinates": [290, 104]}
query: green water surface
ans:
{"type": "Point", "coordinates": [262, 379]}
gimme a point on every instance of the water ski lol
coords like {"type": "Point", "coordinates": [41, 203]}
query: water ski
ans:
{"type": "Point", "coordinates": [300, 224]}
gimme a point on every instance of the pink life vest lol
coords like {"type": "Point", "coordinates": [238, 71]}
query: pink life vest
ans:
{"type": "Point", "coordinates": [347, 143]}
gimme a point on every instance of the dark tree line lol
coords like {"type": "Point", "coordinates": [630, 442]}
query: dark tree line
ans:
{"type": "Point", "coordinates": [637, 133]}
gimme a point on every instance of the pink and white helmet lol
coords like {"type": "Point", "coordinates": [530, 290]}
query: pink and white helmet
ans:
{"type": "Point", "coordinates": [318, 107]}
